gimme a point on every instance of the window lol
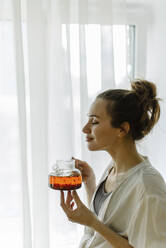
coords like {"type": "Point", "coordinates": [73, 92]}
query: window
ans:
{"type": "Point", "coordinates": [105, 53]}
{"type": "Point", "coordinates": [118, 38]}
{"type": "Point", "coordinates": [98, 57]}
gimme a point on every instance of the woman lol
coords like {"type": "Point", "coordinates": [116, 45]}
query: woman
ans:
{"type": "Point", "coordinates": [128, 206]}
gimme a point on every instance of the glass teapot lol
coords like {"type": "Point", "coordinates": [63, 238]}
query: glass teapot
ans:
{"type": "Point", "coordinates": [65, 176]}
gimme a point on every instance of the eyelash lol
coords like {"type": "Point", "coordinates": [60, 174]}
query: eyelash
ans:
{"type": "Point", "coordinates": [94, 123]}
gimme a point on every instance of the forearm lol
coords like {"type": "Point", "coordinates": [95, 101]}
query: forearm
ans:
{"type": "Point", "coordinates": [113, 238]}
{"type": "Point", "coordinates": [90, 188]}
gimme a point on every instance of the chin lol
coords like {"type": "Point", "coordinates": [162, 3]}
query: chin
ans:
{"type": "Point", "coordinates": [93, 148]}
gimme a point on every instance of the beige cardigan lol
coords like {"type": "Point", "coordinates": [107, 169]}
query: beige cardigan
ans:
{"type": "Point", "coordinates": [136, 209]}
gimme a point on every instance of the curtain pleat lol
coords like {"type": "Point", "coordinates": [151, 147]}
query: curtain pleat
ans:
{"type": "Point", "coordinates": [38, 88]}
{"type": "Point", "coordinates": [20, 78]}
{"type": "Point", "coordinates": [84, 99]}
{"type": "Point", "coordinates": [107, 58]}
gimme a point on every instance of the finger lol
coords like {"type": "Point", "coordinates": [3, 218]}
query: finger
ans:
{"type": "Point", "coordinates": [76, 160]}
{"type": "Point", "coordinates": [76, 197]}
{"type": "Point", "coordinates": [69, 198]}
{"type": "Point", "coordinates": [63, 205]}
{"type": "Point", "coordinates": [72, 205]}
{"type": "Point", "coordinates": [78, 165]}
{"type": "Point", "coordinates": [79, 168]}
{"type": "Point", "coordinates": [62, 197]}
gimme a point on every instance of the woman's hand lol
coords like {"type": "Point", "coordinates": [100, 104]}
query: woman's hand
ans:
{"type": "Point", "coordinates": [88, 177]}
{"type": "Point", "coordinates": [84, 216]}
{"type": "Point", "coordinates": [86, 171]}
{"type": "Point", "coordinates": [81, 214]}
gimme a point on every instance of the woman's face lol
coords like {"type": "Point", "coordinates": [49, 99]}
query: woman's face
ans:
{"type": "Point", "coordinates": [100, 135]}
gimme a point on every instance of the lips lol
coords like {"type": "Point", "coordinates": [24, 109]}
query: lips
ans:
{"type": "Point", "coordinates": [88, 139]}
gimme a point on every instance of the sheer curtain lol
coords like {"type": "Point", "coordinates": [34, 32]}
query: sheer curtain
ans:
{"type": "Point", "coordinates": [50, 73]}
{"type": "Point", "coordinates": [15, 218]}
{"type": "Point", "coordinates": [81, 63]}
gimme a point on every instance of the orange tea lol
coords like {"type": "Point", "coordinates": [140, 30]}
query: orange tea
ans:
{"type": "Point", "coordinates": [65, 182]}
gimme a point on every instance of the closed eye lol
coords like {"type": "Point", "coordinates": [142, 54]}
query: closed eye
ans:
{"type": "Point", "coordinates": [94, 123]}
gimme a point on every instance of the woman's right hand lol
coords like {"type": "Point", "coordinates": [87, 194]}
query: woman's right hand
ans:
{"type": "Point", "coordinates": [86, 171]}
{"type": "Point", "coordinates": [88, 177]}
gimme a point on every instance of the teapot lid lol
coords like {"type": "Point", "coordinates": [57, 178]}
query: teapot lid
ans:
{"type": "Point", "coordinates": [64, 165]}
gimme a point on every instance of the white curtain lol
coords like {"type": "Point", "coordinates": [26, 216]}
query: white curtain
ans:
{"type": "Point", "coordinates": [76, 73]}
{"type": "Point", "coordinates": [55, 56]}
{"type": "Point", "coordinates": [50, 73]}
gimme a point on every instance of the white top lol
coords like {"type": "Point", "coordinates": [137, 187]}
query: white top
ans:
{"type": "Point", "coordinates": [135, 210]}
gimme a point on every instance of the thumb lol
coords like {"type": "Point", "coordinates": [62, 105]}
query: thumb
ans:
{"type": "Point", "coordinates": [76, 197]}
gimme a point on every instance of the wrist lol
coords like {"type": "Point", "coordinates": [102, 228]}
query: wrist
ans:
{"type": "Point", "coordinates": [90, 187]}
{"type": "Point", "coordinates": [90, 182]}
{"type": "Point", "coordinates": [95, 223]}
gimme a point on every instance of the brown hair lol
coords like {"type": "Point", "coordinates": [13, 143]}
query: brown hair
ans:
{"type": "Point", "coordinates": [138, 106]}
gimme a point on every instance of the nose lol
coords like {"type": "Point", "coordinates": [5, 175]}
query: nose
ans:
{"type": "Point", "coordinates": [86, 128]}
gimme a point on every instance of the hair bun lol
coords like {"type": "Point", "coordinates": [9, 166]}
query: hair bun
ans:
{"type": "Point", "coordinates": [144, 89]}
{"type": "Point", "coordinates": [138, 106]}
{"type": "Point", "coordinates": [149, 105]}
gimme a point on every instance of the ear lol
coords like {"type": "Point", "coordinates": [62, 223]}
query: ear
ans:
{"type": "Point", "coordinates": [124, 129]}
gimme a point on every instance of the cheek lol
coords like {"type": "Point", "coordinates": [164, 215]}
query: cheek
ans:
{"type": "Point", "coordinates": [102, 133]}
{"type": "Point", "coordinates": [105, 134]}
{"type": "Point", "coordinates": [97, 131]}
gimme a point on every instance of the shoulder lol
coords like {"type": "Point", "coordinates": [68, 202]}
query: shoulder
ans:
{"type": "Point", "coordinates": [150, 181]}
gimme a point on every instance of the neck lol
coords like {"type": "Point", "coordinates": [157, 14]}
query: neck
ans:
{"type": "Point", "coordinates": [125, 157]}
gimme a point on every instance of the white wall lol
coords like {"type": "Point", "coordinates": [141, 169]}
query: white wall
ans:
{"type": "Point", "coordinates": [152, 42]}
{"type": "Point", "coordinates": [156, 70]}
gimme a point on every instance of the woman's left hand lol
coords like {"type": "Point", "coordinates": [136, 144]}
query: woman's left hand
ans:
{"type": "Point", "coordinates": [81, 214]}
